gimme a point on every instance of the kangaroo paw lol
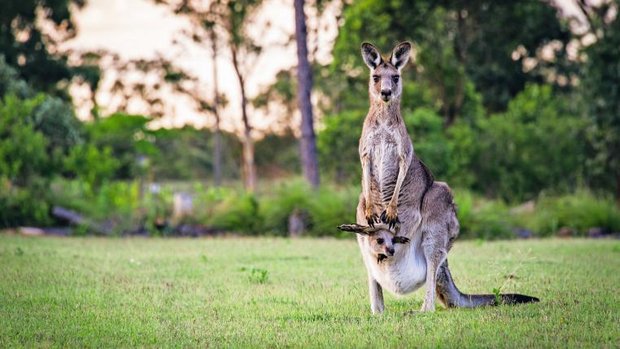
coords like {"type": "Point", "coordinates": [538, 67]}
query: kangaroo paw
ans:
{"type": "Point", "coordinates": [390, 217]}
{"type": "Point", "coordinates": [372, 218]}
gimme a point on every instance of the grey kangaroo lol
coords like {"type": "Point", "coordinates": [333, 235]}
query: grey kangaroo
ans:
{"type": "Point", "coordinates": [406, 221]}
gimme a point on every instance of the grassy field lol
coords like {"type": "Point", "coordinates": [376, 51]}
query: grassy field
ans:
{"type": "Point", "coordinates": [246, 292]}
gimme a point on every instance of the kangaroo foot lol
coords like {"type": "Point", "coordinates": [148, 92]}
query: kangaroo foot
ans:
{"type": "Point", "coordinates": [428, 307]}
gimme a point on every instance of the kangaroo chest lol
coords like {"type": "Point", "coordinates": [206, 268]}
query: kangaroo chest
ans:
{"type": "Point", "coordinates": [384, 149]}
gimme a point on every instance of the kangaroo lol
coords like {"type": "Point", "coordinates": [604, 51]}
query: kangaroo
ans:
{"type": "Point", "coordinates": [406, 245]}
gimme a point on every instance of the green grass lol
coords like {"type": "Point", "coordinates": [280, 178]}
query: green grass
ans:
{"type": "Point", "coordinates": [260, 292]}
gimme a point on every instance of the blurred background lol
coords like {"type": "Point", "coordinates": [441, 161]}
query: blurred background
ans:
{"type": "Point", "coordinates": [163, 117]}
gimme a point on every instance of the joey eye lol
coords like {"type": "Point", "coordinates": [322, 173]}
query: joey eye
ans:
{"type": "Point", "coordinates": [395, 78]}
{"type": "Point", "coordinates": [375, 78]}
{"type": "Point", "coordinates": [380, 241]}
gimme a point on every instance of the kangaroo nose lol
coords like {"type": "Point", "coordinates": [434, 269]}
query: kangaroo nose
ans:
{"type": "Point", "coordinates": [386, 93]}
{"type": "Point", "coordinates": [390, 251]}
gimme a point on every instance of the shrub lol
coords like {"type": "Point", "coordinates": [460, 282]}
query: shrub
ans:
{"type": "Point", "coordinates": [579, 211]}
{"type": "Point", "coordinates": [237, 212]}
{"type": "Point", "coordinates": [482, 218]}
{"type": "Point", "coordinates": [23, 206]}
{"type": "Point", "coordinates": [323, 209]}
{"type": "Point", "coordinates": [537, 144]}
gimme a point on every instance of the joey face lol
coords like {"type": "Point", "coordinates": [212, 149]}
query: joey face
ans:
{"type": "Point", "coordinates": [381, 240]}
{"type": "Point", "coordinates": [381, 244]}
{"type": "Point", "coordinates": [385, 75]}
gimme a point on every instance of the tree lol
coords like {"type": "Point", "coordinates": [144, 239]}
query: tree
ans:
{"type": "Point", "coordinates": [26, 45]}
{"type": "Point", "coordinates": [537, 144]}
{"type": "Point", "coordinates": [217, 98]}
{"type": "Point", "coordinates": [457, 43]}
{"type": "Point", "coordinates": [308, 149]}
{"type": "Point", "coordinates": [233, 20]}
{"type": "Point", "coordinates": [600, 87]}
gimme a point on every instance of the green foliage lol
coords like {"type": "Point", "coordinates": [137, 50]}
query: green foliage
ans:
{"type": "Point", "coordinates": [579, 212]}
{"type": "Point", "coordinates": [599, 88]}
{"type": "Point", "coordinates": [535, 145]}
{"type": "Point", "coordinates": [91, 164]}
{"type": "Point", "coordinates": [457, 42]}
{"type": "Point", "coordinates": [10, 82]}
{"type": "Point", "coordinates": [129, 139]}
{"type": "Point", "coordinates": [23, 206]}
{"type": "Point", "coordinates": [277, 156]}
{"type": "Point", "coordinates": [492, 219]}
{"type": "Point", "coordinates": [482, 218]}
{"type": "Point", "coordinates": [257, 275]}
{"type": "Point", "coordinates": [56, 120]}
{"type": "Point", "coordinates": [238, 212]}
{"type": "Point", "coordinates": [23, 153]}
{"type": "Point", "coordinates": [321, 210]}
{"type": "Point", "coordinates": [430, 141]}
{"type": "Point", "coordinates": [338, 145]}
{"type": "Point", "coordinates": [187, 153]}
{"type": "Point", "coordinates": [41, 68]}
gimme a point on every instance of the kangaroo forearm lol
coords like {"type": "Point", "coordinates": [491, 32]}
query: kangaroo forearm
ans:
{"type": "Point", "coordinates": [366, 179]}
{"type": "Point", "coordinates": [402, 172]}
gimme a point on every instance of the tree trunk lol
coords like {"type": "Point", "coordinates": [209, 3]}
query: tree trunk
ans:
{"type": "Point", "coordinates": [249, 169]}
{"type": "Point", "coordinates": [217, 148]}
{"type": "Point", "coordinates": [308, 150]}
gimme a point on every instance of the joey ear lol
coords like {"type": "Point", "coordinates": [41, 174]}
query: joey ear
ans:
{"type": "Point", "coordinates": [356, 228]}
{"type": "Point", "coordinates": [371, 55]}
{"type": "Point", "coordinates": [400, 55]}
{"type": "Point", "coordinates": [400, 240]}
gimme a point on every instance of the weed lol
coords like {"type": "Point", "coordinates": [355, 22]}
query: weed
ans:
{"type": "Point", "coordinates": [258, 276]}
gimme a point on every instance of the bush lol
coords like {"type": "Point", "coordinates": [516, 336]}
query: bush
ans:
{"type": "Point", "coordinates": [536, 145]}
{"type": "Point", "coordinates": [237, 212]}
{"type": "Point", "coordinates": [482, 218]}
{"type": "Point", "coordinates": [323, 210]}
{"type": "Point", "coordinates": [338, 146]}
{"type": "Point", "coordinates": [579, 211]}
{"type": "Point", "coordinates": [23, 206]}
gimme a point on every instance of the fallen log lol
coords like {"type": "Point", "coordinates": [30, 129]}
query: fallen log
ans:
{"type": "Point", "coordinates": [77, 219]}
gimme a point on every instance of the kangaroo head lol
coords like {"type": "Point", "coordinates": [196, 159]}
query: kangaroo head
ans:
{"type": "Point", "coordinates": [385, 83]}
{"type": "Point", "coordinates": [381, 239]}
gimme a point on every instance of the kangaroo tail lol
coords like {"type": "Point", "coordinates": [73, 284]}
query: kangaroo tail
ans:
{"type": "Point", "coordinates": [451, 297]}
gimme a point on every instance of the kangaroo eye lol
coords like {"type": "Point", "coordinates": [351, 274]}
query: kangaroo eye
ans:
{"type": "Point", "coordinates": [395, 78]}
{"type": "Point", "coordinates": [375, 78]}
{"type": "Point", "coordinates": [380, 241]}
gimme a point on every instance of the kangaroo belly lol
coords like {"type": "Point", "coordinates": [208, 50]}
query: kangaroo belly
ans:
{"type": "Point", "coordinates": [403, 273]}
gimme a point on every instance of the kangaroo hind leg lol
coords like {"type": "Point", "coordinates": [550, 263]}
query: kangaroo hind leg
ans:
{"type": "Point", "coordinates": [434, 245]}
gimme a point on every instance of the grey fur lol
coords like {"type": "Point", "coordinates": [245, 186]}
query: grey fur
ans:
{"type": "Point", "coordinates": [399, 191]}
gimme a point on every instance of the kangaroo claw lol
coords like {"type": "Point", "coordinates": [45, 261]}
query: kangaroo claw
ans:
{"type": "Point", "coordinates": [372, 219]}
{"type": "Point", "coordinates": [389, 219]}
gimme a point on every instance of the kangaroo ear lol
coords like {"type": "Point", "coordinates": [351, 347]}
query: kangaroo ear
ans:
{"type": "Point", "coordinates": [356, 228]}
{"type": "Point", "coordinates": [371, 55]}
{"type": "Point", "coordinates": [400, 55]}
